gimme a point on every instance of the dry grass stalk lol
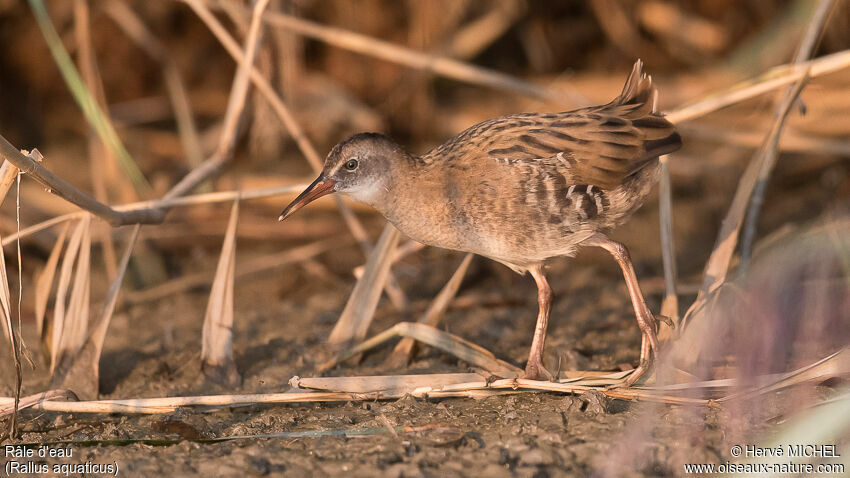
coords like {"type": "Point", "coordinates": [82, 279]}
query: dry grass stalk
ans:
{"type": "Point", "coordinates": [69, 324]}
{"type": "Point", "coordinates": [360, 308]}
{"type": "Point", "coordinates": [241, 82]}
{"type": "Point", "coordinates": [170, 404]}
{"type": "Point", "coordinates": [402, 352]}
{"type": "Point", "coordinates": [717, 266]}
{"type": "Point", "coordinates": [217, 348]}
{"type": "Point", "coordinates": [29, 230]}
{"type": "Point", "coordinates": [452, 344]}
{"type": "Point", "coordinates": [401, 384]}
{"type": "Point", "coordinates": [82, 371]}
{"type": "Point", "coordinates": [379, 383]}
{"type": "Point", "coordinates": [7, 407]}
{"type": "Point", "coordinates": [44, 280]}
{"type": "Point", "coordinates": [742, 91]}
{"type": "Point", "coordinates": [670, 304]}
{"type": "Point", "coordinates": [440, 386]}
{"type": "Point", "coordinates": [8, 174]}
{"type": "Point", "coordinates": [56, 324]}
{"type": "Point", "coordinates": [14, 340]}
{"type": "Point", "coordinates": [68, 192]}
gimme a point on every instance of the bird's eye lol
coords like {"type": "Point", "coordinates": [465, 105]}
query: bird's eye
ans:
{"type": "Point", "coordinates": [351, 165]}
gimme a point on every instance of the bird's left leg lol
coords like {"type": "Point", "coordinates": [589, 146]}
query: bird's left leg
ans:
{"type": "Point", "coordinates": [646, 321]}
{"type": "Point", "coordinates": [534, 369]}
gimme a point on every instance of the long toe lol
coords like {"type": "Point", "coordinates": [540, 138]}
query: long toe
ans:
{"type": "Point", "coordinates": [536, 371]}
{"type": "Point", "coordinates": [631, 378]}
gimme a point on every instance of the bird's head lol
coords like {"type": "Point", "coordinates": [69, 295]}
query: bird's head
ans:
{"type": "Point", "coordinates": [360, 167]}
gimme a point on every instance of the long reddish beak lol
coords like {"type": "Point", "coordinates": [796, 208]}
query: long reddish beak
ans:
{"type": "Point", "coordinates": [320, 187]}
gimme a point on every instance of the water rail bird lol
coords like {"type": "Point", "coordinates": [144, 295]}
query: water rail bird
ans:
{"type": "Point", "coordinates": [519, 189]}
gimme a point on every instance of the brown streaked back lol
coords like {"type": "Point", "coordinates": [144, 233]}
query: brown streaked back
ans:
{"type": "Point", "coordinates": [600, 145]}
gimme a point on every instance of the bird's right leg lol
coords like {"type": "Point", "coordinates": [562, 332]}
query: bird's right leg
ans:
{"type": "Point", "coordinates": [646, 321]}
{"type": "Point", "coordinates": [534, 369]}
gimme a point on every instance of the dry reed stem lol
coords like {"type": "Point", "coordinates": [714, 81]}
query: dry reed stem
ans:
{"type": "Point", "coordinates": [171, 404]}
{"type": "Point", "coordinates": [164, 204]}
{"type": "Point", "coordinates": [241, 83]}
{"type": "Point", "coordinates": [14, 341]}
{"type": "Point", "coordinates": [217, 342]}
{"type": "Point", "coordinates": [402, 352]}
{"type": "Point", "coordinates": [77, 317]}
{"type": "Point", "coordinates": [378, 383]}
{"type": "Point", "coordinates": [44, 280]}
{"type": "Point", "coordinates": [452, 344]}
{"type": "Point", "coordinates": [7, 406]}
{"type": "Point", "coordinates": [58, 341]}
{"type": "Point", "coordinates": [8, 174]}
{"type": "Point", "coordinates": [742, 91]}
{"type": "Point", "coordinates": [439, 381]}
{"type": "Point", "coordinates": [670, 303]}
{"type": "Point", "coordinates": [68, 192]}
{"type": "Point", "coordinates": [807, 46]}
{"type": "Point", "coordinates": [294, 128]}
{"type": "Point", "coordinates": [354, 321]}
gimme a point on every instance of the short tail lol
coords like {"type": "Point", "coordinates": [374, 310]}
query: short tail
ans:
{"type": "Point", "coordinates": [639, 93]}
{"type": "Point", "coordinates": [638, 89]}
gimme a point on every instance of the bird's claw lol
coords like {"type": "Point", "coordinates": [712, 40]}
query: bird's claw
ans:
{"type": "Point", "coordinates": [666, 320]}
{"type": "Point", "coordinates": [535, 370]}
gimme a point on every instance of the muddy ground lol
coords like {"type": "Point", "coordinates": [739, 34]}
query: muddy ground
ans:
{"type": "Point", "coordinates": [284, 316]}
